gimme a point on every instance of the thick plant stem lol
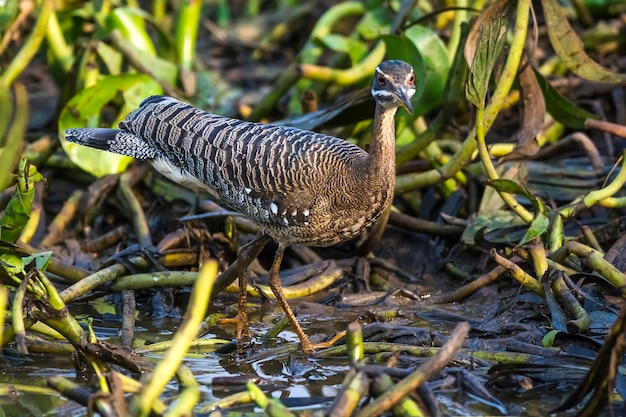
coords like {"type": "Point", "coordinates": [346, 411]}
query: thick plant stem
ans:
{"type": "Point", "coordinates": [597, 196]}
{"type": "Point", "coordinates": [165, 369]}
{"type": "Point", "coordinates": [486, 116]}
{"type": "Point", "coordinates": [30, 47]}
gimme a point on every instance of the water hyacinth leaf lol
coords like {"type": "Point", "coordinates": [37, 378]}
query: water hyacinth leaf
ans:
{"type": "Point", "coordinates": [17, 212]}
{"type": "Point", "coordinates": [86, 106]}
{"type": "Point", "coordinates": [538, 227]}
{"type": "Point", "coordinates": [41, 260]}
{"type": "Point", "coordinates": [7, 15]}
{"type": "Point", "coordinates": [355, 49]}
{"type": "Point", "coordinates": [374, 23]}
{"type": "Point", "coordinates": [489, 45]}
{"type": "Point", "coordinates": [493, 10]}
{"type": "Point", "coordinates": [504, 185]}
{"type": "Point", "coordinates": [533, 114]}
{"type": "Point", "coordinates": [563, 110]}
{"type": "Point", "coordinates": [570, 48]}
{"type": "Point", "coordinates": [436, 63]}
{"type": "Point", "coordinates": [494, 226]}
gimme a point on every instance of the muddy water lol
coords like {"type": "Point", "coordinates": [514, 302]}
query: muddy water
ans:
{"type": "Point", "coordinates": [299, 381]}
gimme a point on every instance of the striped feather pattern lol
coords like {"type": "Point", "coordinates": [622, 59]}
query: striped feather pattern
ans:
{"type": "Point", "coordinates": [292, 182]}
{"type": "Point", "coordinates": [298, 186]}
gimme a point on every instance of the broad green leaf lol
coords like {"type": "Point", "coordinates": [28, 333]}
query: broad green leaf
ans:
{"type": "Point", "coordinates": [490, 42]}
{"type": "Point", "coordinates": [563, 110]}
{"type": "Point", "coordinates": [516, 172]}
{"type": "Point", "coordinates": [436, 64]}
{"type": "Point", "coordinates": [508, 186]}
{"type": "Point", "coordinates": [17, 213]}
{"type": "Point", "coordinates": [8, 12]}
{"type": "Point", "coordinates": [374, 23]}
{"type": "Point", "coordinates": [494, 226]}
{"type": "Point", "coordinates": [355, 49]}
{"type": "Point", "coordinates": [41, 260]}
{"type": "Point", "coordinates": [570, 48]}
{"type": "Point", "coordinates": [87, 106]}
{"type": "Point", "coordinates": [537, 228]}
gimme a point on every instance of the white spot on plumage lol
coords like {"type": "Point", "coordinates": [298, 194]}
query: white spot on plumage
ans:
{"type": "Point", "coordinates": [274, 208]}
{"type": "Point", "coordinates": [248, 190]}
{"type": "Point", "coordinates": [305, 213]}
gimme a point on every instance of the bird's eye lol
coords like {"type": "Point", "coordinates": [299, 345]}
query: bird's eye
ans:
{"type": "Point", "coordinates": [381, 80]}
{"type": "Point", "coordinates": [412, 79]}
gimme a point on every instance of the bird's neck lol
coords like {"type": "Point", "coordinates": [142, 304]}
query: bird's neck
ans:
{"type": "Point", "coordinates": [381, 161]}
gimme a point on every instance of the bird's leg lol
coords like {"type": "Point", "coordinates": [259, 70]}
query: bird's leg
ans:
{"type": "Point", "coordinates": [277, 289]}
{"type": "Point", "coordinates": [245, 256]}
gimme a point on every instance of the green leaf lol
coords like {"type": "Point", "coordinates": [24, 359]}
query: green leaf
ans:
{"type": "Point", "coordinates": [508, 186]}
{"type": "Point", "coordinates": [374, 23]}
{"type": "Point", "coordinates": [563, 110]}
{"type": "Point", "coordinates": [570, 48]}
{"type": "Point", "coordinates": [355, 49]}
{"type": "Point", "coordinates": [41, 260]}
{"type": "Point", "coordinates": [494, 226]}
{"type": "Point", "coordinates": [17, 213]}
{"type": "Point", "coordinates": [87, 105]}
{"type": "Point", "coordinates": [537, 228]}
{"type": "Point", "coordinates": [103, 306]}
{"type": "Point", "coordinates": [11, 268]}
{"type": "Point", "coordinates": [434, 54]}
{"type": "Point", "coordinates": [8, 12]}
{"type": "Point", "coordinates": [489, 45]}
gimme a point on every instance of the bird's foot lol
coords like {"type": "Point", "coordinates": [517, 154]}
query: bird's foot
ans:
{"type": "Point", "coordinates": [309, 348]}
{"type": "Point", "coordinates": [241, 322]}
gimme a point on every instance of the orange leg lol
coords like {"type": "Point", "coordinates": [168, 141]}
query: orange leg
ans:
{"type": "Point", "coordinates": [277, 289]}
{"type": "Point", "coordinates": [245, 256]}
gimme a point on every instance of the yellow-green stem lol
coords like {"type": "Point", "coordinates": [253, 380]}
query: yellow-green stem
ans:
{"type": "Point", "coordinates": [166, 368]}
{"type": "Point", "coordinates": [30, 47]}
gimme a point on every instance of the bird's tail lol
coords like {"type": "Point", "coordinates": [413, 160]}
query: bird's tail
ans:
{"type": "Point", "coordinates": [112, 140]}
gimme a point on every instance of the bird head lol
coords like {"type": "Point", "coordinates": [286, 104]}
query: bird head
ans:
{"type": "Point", "coordinates": [394, 84]}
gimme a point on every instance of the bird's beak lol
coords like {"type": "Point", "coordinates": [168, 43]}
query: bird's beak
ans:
{"type": "Point", "coordinates": [405, 99]}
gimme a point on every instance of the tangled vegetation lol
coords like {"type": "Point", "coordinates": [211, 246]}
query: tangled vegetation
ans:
{"type": "Point", "coordinates": [508, 209]}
